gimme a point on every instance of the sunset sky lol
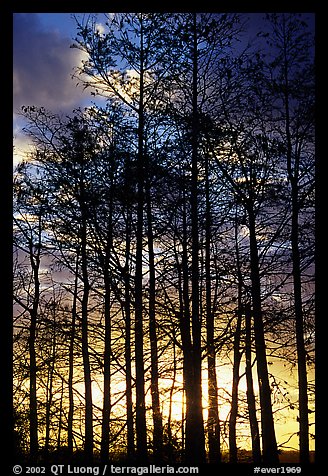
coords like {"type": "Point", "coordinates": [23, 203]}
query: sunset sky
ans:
{"type": "Point", "coordinates": [43, 62]}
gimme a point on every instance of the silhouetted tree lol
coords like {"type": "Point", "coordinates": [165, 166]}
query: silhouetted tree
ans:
{"type": "Point", "coordinates": [178, 218]}
{"type": "Point", "coordinates": [30, 206]}
{"type": "Point", "coordinates": [291, 83]}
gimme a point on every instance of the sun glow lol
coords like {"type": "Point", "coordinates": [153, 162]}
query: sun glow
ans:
{"type": "Point", "coordinates": [173, 403]}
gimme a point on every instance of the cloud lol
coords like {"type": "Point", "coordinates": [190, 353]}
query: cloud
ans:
{"type": "Point", "coordinates": [43, 64]}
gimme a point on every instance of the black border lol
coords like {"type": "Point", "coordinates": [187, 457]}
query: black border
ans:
{"type": "Point", "coordinates": [7, 459]}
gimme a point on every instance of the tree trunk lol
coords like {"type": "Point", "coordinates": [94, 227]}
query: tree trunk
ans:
{"type": "Point", "coordinates": [70, 416]}
{"type": "Point", "coordinates": [300, 345]}
{"type": "Point", "coordinates": [60, 424]}
{"type": "Point", "coordinates": [195, 437]}
{"type": "Point", "coordinates": [34, 446]}
{"type": "Point", "coordinates": [33, 411]}
{"type": "Point", "coordinates": [156, 409]}
{"type": "Point", "coordinates": [128, 353]}
{"type": "Point", "coordinates": [184, 317]}
{"type": "Point", "coordinates": [88, 443]}
{"type": "Point", "coordinates": [141, 429]}
{"type": "Point", "coordinates": [251, 403]}
{"type": "Point", "coordinates": [213, 424]}
{"type": "Point", "coordinates": [170, 454]}
{"type": "Point", "coordinates": [105, 428]}
{"type": "Point", "coordinates": [269, 444]}
{"type": "Point", "coordinates": [49, 392]}
{"type": "Point", "coordinates": [184, 323]}
{"type": "Point", "coordinates": [233, 451]}
{"type": "Point", "coordinates": [293, 173]}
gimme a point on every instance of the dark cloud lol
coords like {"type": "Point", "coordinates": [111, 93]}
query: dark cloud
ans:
{"type": "Point", "coordinates": [43, 64]}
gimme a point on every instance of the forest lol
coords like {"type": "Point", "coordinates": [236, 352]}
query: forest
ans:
{"type": "Point", "coordinates": [164, 245]}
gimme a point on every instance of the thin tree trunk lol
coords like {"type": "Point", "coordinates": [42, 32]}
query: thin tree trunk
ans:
{"type": "Point", "coordinates": [184, 322]}
{"type": "Point", "coordinates": [141, 429]}
{"type": "Point", "coordinates": [213, 424]}
{"type": "Point", "coordinates": [183, 422]}
{"type": "Point", "coordinates": [128, 353]}
{"type": "Point", "coordinates": [105, 428]}
{"type": "Point", "coordinates": [300, 344]}
{"type": "Point", "coordinates": [184, 317]}
{"type": "Point", "coordinates": [33, 415]}
{"type": "Point", "coordinates": [293, 173]}
{"type": "Point", "coordinates": [88, 443]}
{"type": "Point", "coordinates": [269, 444]}
{"type": "Point", "coordinates": [156, 409]}
{"type": "Point", "coordinates": [60, 424]}
{"type": "Point", "coordinates": [33, 411]}
{"type": "Point", "coordinates": [251, 403]}
{"type": "Point", "coordinates": [70, 416]}
{"type": "Point", "coordinates": [233, 452]}
{"type": "Point", "coordinates": [49, 393]}
{"type": "Point", "coordinates": [169, 418]}
{"type": "Point", "coordinates": [49, 397]}
{"type": "Point", "coordinates": [195, 437]}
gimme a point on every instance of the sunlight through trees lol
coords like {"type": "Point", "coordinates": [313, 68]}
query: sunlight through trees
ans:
{"type": "Point", "coordinates": [164, 247]}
